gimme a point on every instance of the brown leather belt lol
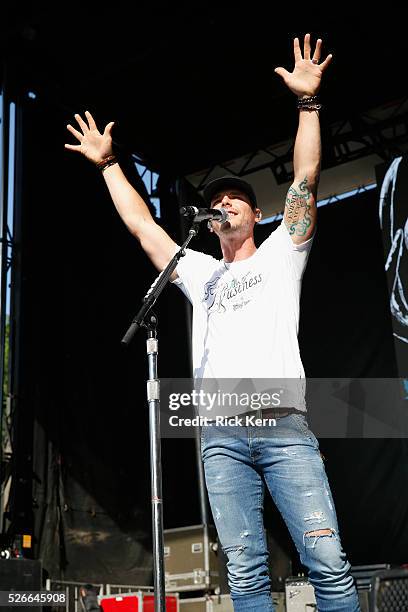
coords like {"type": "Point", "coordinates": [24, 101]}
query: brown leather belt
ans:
{"type": "Point", "coordinates": [272, 413]}
{"type": "Point", "coordinates": [263, 413]}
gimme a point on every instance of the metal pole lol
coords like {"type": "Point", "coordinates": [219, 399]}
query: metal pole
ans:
{"type": "Point", "coordinates": [4, 161]}
{"type": "Point", "coordinates": [202, 491]}
{"type": "Point", "coordinates": [153, 398]}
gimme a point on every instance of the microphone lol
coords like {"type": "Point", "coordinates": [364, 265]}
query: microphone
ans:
{"type": "Point", "coordinates": [204, 214]}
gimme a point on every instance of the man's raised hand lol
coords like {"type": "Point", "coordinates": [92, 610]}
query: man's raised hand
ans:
{"type": "Point", "coordinates": [93, 145]}
{"type": "Point", "coordinates": [307, 74]}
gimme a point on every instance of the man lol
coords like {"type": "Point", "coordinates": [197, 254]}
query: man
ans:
{"type": "Point", "coordinates": [246, 313]}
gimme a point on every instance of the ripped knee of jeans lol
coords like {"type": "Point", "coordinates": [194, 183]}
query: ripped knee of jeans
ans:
{"type": "Point", "coordinates": [316, 534]}
{"type": "Point", "coordinates": [237, 548]}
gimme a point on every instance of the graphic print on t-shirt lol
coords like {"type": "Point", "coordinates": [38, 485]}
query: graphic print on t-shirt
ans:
{"type": "Point", "coordinates": [231, 292]}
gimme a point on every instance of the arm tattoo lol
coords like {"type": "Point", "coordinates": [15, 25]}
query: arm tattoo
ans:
{"type": "Point", "coordinates": [297, 209]}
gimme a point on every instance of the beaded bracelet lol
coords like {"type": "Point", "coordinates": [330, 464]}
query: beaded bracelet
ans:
{"type": "Point", "coordinates": [105, 163]}
{"type": "Point", "coordinates": [311, 104]}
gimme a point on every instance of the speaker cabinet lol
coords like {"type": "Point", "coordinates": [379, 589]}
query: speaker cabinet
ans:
{"type": "Point", "coordinates": [20, 575]}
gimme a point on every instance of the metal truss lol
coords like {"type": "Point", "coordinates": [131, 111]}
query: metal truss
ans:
{"type": "Point", "coordinates": [7, 265]}
{"type": "Point", "coordinates": [382, 131]}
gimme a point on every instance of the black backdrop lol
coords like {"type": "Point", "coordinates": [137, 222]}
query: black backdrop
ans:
{"type": "Point", "coordinates": [84, 396]}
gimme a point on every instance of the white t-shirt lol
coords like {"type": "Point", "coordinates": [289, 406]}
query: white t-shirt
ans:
{"type": "Point", "coordinates": [246, 313]}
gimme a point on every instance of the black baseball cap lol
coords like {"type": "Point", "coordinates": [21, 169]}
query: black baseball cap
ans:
{"type": "Point", "coordinates": [228, 182]}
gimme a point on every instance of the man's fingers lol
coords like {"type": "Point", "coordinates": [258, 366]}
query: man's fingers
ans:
{"type": "Point", "coordinates": [108, 129]}
{"type": "Point", "coordinates": [326, 62]}
{"type": "Point", "coordinates": [75, 132]}
{"type": "Point", "coordinates": [91, 121]}
{"type": "Point", "coordinates": [73, 147]}
{"type": "Point", "coordinates": [81, 123]}
{"type": "Point", "coordinates": [306, 48]}
{"type": "Point", "coordinates": [318, 51]}
{"type": "Point", "coordinates": [296, 50]}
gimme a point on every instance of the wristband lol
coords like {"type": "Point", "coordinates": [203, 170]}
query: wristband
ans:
{"type": "Point", "coordinates": [105, 163]}
{"type": "Point", "coordinates": [311, 104]}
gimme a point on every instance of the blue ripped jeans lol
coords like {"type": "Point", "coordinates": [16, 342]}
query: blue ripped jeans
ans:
{"type": "Point", "coordinates": [286, 457]}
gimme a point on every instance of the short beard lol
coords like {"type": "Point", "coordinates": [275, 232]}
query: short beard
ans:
{"type": "Point", "coordinates": [227, 227]}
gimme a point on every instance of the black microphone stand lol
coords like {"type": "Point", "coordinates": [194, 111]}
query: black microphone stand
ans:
{"type": "Point", "coordinates": [153, 397]}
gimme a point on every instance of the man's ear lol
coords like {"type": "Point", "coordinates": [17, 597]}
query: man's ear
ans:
{"type": "Point", "coordinates": [258, 215]}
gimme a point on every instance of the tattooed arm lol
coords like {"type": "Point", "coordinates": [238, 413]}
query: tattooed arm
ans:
{"type": "Point", "coordinates": [304, 81]}
{"type": "Point", "coordinates": [300, 205]}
